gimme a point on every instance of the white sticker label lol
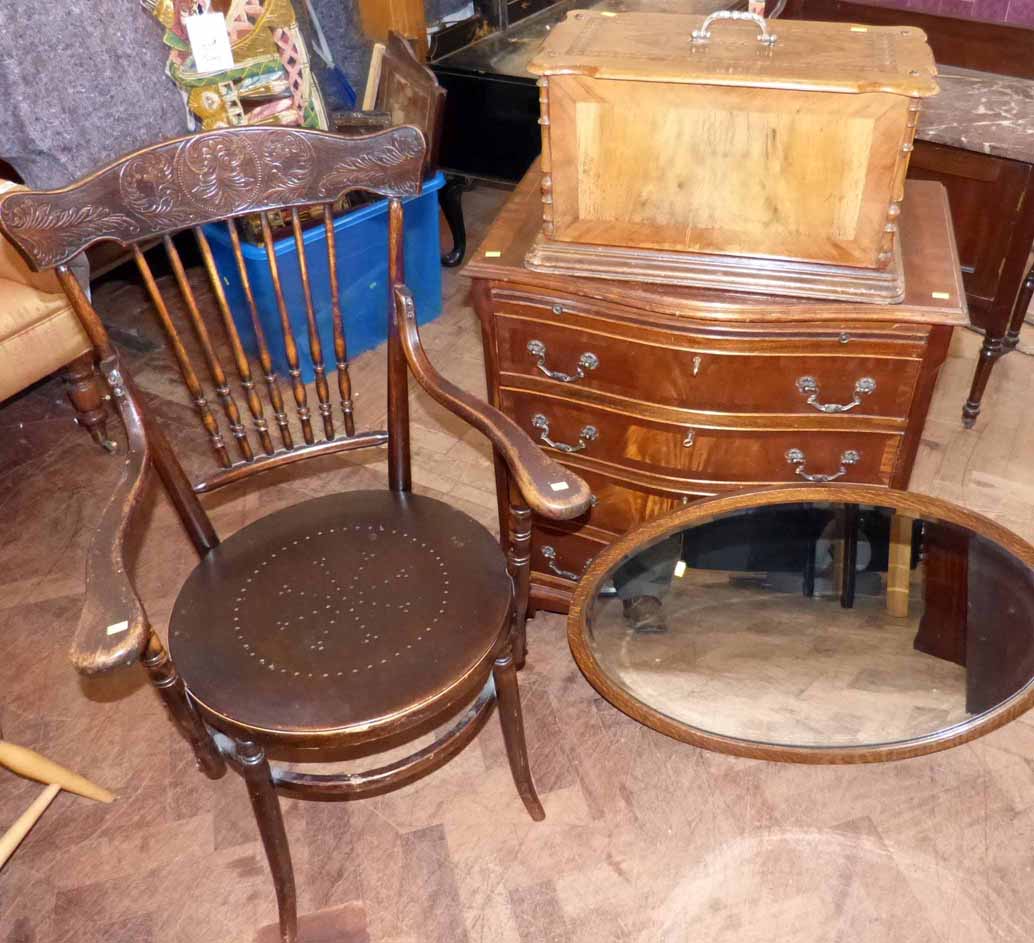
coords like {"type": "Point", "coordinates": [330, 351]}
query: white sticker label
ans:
{"type": "Point", "coordinates": [209, 42]}
{"type": "Point", "coordinates": [559, 485]}
{"type": "Point", "coordinates": [116, 627]}
{"type": "Point", "coordinates": [680, 568]}
{"type": "Point", "coordinates": [940, 295]}
{"type": "Point", "coordinates": [493, 254]}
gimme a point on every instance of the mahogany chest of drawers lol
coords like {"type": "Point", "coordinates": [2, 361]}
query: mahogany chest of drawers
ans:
{"type": "Point", "coordinates": [658, 395]}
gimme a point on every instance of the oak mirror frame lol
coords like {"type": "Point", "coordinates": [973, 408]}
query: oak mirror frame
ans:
{"type": "Point", "coordinates": [908, 504]}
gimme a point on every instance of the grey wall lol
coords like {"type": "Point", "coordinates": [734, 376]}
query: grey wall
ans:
{"type": "Point", "coordinates": [340, 22]}
{"type": "Point", "coordinates": [82, 82]}
{"type": "Point", "coordinates": [341, 25]}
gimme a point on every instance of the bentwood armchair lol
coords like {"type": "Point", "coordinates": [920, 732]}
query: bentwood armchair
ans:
{"type": "Point", "coordinates": [338, 626]}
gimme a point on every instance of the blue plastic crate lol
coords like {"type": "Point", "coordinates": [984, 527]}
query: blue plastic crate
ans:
{"type": "Point", "coordinates": [361, 241]}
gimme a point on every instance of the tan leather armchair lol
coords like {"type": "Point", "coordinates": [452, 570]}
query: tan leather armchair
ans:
{"type": "Point", "coordinates": [40, 334]}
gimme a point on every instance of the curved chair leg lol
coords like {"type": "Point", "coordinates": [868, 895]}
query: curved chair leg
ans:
{"type": "Point", "coordinates": [86, 391]}
{"type": "Point", "coordinates": [266, 805]}
{"type": "Point", "coordinates": [512, 721]}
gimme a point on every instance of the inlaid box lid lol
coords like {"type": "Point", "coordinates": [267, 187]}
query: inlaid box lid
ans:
{"type": "Point", "coordinates": [798, 55]}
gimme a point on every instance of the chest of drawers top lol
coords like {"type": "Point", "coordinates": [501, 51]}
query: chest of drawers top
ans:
{"type": "Point", "coordinates": [934, 291]}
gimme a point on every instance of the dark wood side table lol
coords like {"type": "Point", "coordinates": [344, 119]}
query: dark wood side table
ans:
{"type": "Point", "coordinates": [977, 138]}
{"type": "Point", "coordinates": [659, 395]}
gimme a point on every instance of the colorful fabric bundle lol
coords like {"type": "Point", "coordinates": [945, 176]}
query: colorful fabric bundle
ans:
{"type": "Point", "coordinates": [271, 80]}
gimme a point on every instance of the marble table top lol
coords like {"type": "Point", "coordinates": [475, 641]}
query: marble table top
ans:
{"type": "Point", "coordinates": [978, 111]}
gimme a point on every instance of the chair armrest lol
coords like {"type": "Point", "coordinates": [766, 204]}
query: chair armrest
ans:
{"type": "Point", "coordinates": [549, 488]}
{"type": "Point", "coordinates": [113, 628]}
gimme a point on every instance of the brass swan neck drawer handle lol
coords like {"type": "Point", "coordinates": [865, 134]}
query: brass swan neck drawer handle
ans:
{"type": "Point", "coordinates": [587, 361]}
{"type": "Point", "coordinates": [551, 561]}
{"type": "Point", "coordinates": [863, 387]}
{"type": "Point", "coordinates": [587, 435]}
{"type": "Point", "coordinates": [703, 34]}
{"type": "Point", "coordinates": [798, 458]}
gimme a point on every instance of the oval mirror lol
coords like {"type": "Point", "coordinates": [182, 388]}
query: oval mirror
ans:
{"type": "Point", "coordinates": [814, 624]}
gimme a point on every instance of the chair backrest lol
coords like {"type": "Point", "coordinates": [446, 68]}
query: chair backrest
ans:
{"type": "Point", "coordinates": [204, 183]}
{"type": "Point", "coordinates": [410, 93]}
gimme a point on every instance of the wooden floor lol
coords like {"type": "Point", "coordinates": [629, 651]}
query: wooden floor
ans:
{"type": "Point", "coordinates": [646, 839]}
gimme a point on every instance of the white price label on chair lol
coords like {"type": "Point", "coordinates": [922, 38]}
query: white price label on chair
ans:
{"type": "Point", "coordinates": [209, 42]}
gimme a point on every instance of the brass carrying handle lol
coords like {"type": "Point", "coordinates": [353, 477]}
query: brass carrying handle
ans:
{"type": "Point", "coordinates": [863, 387]}
{"type": "Point", "coordinates": [798, 458]}
{"type": "Point", "coordinates": [703, 34]}
{"type": "Point", "coordinates": [587, 435]}
{"type": "Point", "coordinates": [587, 361]}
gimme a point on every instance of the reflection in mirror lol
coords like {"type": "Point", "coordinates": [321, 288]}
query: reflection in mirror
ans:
{"type": "Point", "coordinates": [818, 625]}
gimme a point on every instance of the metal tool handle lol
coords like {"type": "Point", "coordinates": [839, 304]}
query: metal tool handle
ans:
{"type": "Point", "coordinates": [587, 435]}
{"type": "Point", "coordinates": [587, 361]}
{"type": "Point", "coordinates": [863, 387]}
{"type": "Point", "coordinates": [703, 34]}
{"type": "Point", "coordinates": [798, 458]}
{"type": "Point", "coordinates": [550, 554]}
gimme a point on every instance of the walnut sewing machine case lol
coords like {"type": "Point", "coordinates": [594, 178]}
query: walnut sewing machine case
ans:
{"type": "Point", "coordinates": [716, 153]}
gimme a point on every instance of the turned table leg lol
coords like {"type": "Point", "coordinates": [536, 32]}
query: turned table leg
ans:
{"type": "Point", "coordinates": [995, 347]}
{"type": "Point", "coordinates": [85, 389]}
{"type": "Point", "coordinates": [850, 556]}
{"type": "Point", "coordinates": [1019, 313]}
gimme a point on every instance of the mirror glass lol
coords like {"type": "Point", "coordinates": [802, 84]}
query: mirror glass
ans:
{"type": "Point", "coordinates": [817, 625]}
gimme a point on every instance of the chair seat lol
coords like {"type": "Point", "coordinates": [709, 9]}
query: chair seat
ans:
{"type": "Point", "coordinates": [341, 613]}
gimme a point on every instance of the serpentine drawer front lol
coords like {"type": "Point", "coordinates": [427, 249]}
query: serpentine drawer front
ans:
{"type": "Point", "coordinates": [794, 375]}
{"type": "Point", "coordinates": [697, 453]}
{"type": "Point", "coordinates": [659, 396]}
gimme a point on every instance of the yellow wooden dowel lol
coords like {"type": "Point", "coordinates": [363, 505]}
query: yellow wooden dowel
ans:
{"type": "Point", "coordinates": [373, 77]}
{"type": "Point", "coordinates": [12, 838]}
{"type": "Point", "coordinates": [899, 565]}
{"type": "Point", "coordinates": [29, 763]}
